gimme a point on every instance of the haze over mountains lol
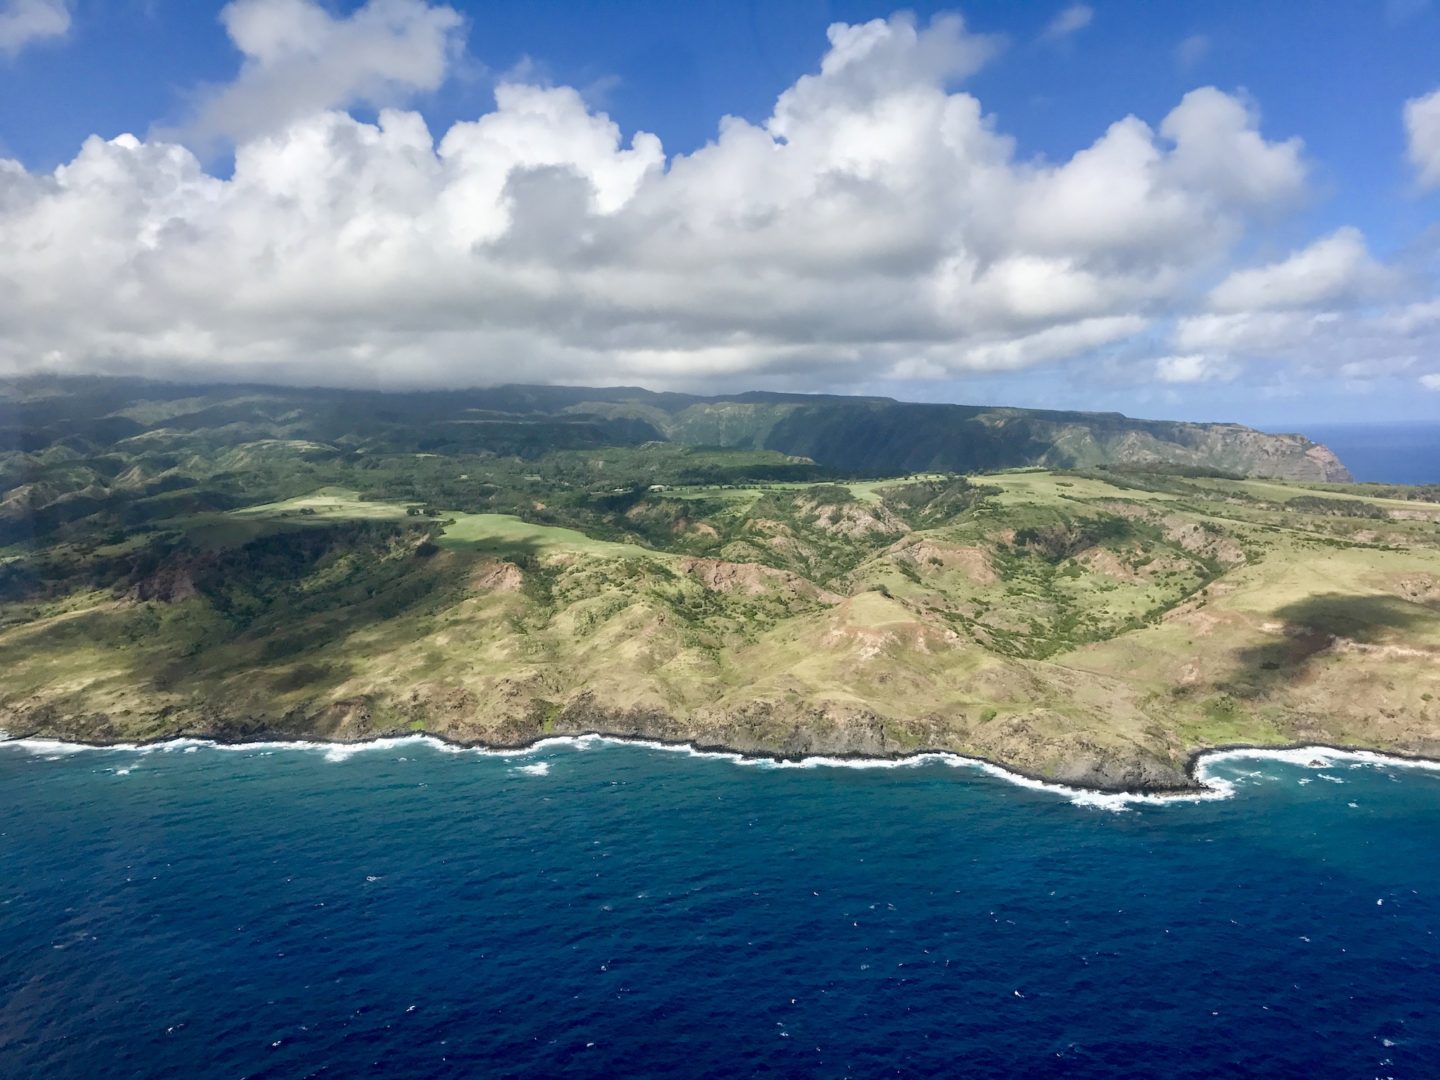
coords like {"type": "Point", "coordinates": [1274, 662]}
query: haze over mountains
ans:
{"type": "Point", "coordinates": [58, 422]}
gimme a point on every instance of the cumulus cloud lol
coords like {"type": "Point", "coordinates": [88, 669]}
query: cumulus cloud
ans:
{"type": "Point", "coordinates": [300, 59]}
{"type": "Point", "coordinates": [1361, 342]}
{"type": "Point", "coordinates": [1328, 310]}
{"type": "Point", "coordinates": [1431, 382]}
{"type": "Point", "coordinates": [1069, 21]}
{"type": "Point", "coordinates": [1219, 150]}
{"type": "Point", "coordinates": [1422, 129]}
{"type": "Point", "coordinates": [1335, 269]}
{"type": "Point", "coordinates": [23, 22]}
{"type": "Point", "coordinates": [1193, 368]}
{"type": "Point", "coordinates": [877, 225]}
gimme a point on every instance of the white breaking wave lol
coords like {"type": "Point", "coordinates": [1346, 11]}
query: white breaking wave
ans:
{"type": "Point", "coordinates": [1118, 801]}
{"type": "Point", "coordinates": [1213, 787]}
{"type": "Point", "coordinates": [1316, 757]}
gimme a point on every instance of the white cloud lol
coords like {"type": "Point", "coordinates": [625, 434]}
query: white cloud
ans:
{"type": "Point", "coordinates": [1335, 269]}
{"type": "Point", "coordinates": [1192, 50]}
{"type": "Point", "coordinates": [1328, 310]}
{"type": "Point", "coordinates": [1376, 368]}
{"type": "Point", "coordinates": [1365, 343]}
{"type": "Point", "coordinates": [1422, 129]}
{"type": "Point", "coordinates": [1193, 368]}
{"type": "Point", "coordinates": [1153, 209]}
{"type": "Point", "coordinates": [1416, 318]}
{"type": "Point", "coordinates": [1431, 382]}
{"type": "Point", "coordinates": [23, 22]}
{"type": "Point", "coordinates": [300, 59]}
{"type": "Point", "coordinates": [1219, 150]}
{"type": "Point", "coordinates": [877, 225]}
{"type": "Point", "coordinates": [1069, 21]}
{"type": "Point", "coordinates": [1244, 332]}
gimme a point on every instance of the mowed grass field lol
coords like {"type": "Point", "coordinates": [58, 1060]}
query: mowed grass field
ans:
{"type": "Point", "coordinates": [501, 534]}
{"type": "Point", "coordinates": [1278, 492]}
{"type": "Point", "coordinates": [1049, 487]}
{"type": "Point", "coordinates": [864, 490]}
{"type": "Point", "coordinates": [495, 534]}
{"type": "Point", "coordinates": [333, 504]}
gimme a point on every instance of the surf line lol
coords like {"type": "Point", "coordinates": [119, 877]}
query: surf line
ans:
{"type": "Point", "coordinates": [1210, 787]}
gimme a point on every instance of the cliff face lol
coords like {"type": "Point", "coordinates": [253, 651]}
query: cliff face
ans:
{"type": "Point", "coordinates": [1281, 457]}
{"type": "Point", "coordinates": [1325, 459]}
{"type": "Point", "coordinates": [889, 437]}
{"type": "Point", "coordinates": [850, 435]}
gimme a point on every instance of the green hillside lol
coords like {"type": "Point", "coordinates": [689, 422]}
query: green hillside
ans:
{"type": "Point", "coordinates": [247, 562]}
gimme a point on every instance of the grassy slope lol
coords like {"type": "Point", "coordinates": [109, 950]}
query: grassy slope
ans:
{"type": "Point", "coordinates": [1082, 627]}
{"type": "Point", "coordinates": [505, 534]}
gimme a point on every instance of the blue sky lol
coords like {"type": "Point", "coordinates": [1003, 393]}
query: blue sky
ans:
{"type": "Point", "coordinates": [1307, 295]}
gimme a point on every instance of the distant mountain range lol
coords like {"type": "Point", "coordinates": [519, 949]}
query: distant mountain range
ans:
{"type": "Point", "coordinates": [855, 436]}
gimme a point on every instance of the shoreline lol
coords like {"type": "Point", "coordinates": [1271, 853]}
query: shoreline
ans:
{"type": "Point", "coordinates": [1201, 789]}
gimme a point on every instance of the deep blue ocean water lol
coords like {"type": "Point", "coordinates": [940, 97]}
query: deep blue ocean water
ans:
{"type": "Point", "coordinates": [602, 910]}
{"type": "Point", "coordinates": [1397, 453]}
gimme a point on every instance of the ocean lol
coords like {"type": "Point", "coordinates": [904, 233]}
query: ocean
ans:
{"type": "Point", "coordinates": [1397, 453]}
{"type": "Point", "coordinates": [589, 908]}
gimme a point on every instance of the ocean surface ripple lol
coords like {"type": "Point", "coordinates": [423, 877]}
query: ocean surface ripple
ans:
{"type": "Point", "coordinates": [586, 908]}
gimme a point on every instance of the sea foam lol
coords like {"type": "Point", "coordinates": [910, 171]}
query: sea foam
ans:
{"type": "Point", "coordinates": [1212, 787]}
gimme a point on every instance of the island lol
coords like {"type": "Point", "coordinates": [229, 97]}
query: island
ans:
{"type": "Point", "coordinates": [1079, 597]}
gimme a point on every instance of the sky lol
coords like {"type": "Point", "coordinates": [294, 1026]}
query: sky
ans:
{"type": "Point", "coordinates": [1215, 210]}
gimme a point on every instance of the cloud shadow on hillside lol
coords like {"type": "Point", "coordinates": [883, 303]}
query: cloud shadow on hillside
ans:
{"type": "Point", "coordinates": [1312, 625]}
